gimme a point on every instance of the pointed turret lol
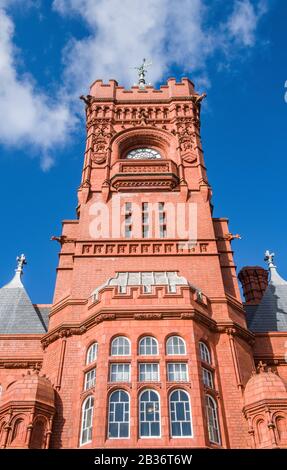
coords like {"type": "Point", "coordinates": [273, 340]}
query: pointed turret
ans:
{"type": "Point", "coordinates": [17, 313]}
{"type": "Point", "coordinates": [271, 313]}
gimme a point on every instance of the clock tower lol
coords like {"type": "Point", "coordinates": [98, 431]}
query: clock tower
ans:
{"type": "Point", "coordinates": [147, 344]}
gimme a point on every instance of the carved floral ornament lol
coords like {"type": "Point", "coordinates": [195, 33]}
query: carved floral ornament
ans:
{"type": "Point", "coordinates": [100, 142]}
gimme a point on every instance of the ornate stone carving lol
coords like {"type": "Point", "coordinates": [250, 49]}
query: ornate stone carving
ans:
{"type": "Point", "coordinates": [100, 142]}
{"type": "Point", "coordinates": [147, 316]}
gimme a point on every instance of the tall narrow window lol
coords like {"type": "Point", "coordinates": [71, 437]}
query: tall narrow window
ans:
{"type": "Point", "coordinates": [212, 420]}
{"type": "Point", "coordinates": [120, 346]}
{"type": "Point", "coordinates": [207, 377]}
{"type": "Point", "coordinates": [120, 373]}
{"type": "Point", "coordinates": [148, 372]}
{"type": "Point", "coordinates": [87, 420]}
{"type": "Point", "coordinates": [162, 220]}
{"type": "Point", "coordinates": [204, 353]}
{"type": "Point", "coordinates": [175, 346]}
{"type": "Point", "coordinates": [90, 379]}
{"type": "Point", "coordinates": [128, 219]}
{"type": "Point", "coordinates": [119, 415]}
{"type": "Point", "coordinates": [145, 220]}
{"type": "Point", "coordinates": [177, 372]}
{"type": "Point", "coordinates": [180, 416]}
{"type": "Point", "coordinates": [92, 353]}
{"type": "Point", "coordinates": [149, 411]}
{"type": "Point", "coordinates": [148, 346]}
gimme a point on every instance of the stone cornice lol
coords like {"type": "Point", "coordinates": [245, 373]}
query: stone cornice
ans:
{"type": "Point", "coordinates": [65, 330]}
{"type": "Point", "coordinates": [21, 363]}
{"type": "Point", "coordinates": [262, 405]}
{"type": "Point", "coordinates": [234, 329]}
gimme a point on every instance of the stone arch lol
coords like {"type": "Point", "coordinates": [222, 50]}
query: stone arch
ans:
{"type": "Point", "coordinates": [18, 431]}
{"type": "Point", "coordinates": [261, 432]}
{"type": "Point", "coordinates": [38, 436]}
{"type": "Point", "coordinates": [280, 422]}
{"type": "Point", "coordinates": [147, 136]}
{"type": "Point", "coordinates": [2, 432]}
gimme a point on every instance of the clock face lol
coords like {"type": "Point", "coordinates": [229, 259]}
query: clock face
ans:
{"type": "Point", "coordinates": [143, 154]}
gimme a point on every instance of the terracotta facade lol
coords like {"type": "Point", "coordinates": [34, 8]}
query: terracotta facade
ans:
{"type": "Point", "coordinates": [191, 294]}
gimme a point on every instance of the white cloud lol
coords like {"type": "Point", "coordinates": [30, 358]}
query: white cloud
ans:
{"type": "Point", "coordinates": [122, 32]}
{"type": "Point", "coordinates": [119, 34]}
{"type": "Point", "coordinates": [28, 117]}
{"type": "Point", "coordinates": [243, 21]}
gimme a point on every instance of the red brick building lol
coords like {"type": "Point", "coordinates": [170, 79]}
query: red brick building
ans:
{"type": "Point", "coordinates": [147, 343]}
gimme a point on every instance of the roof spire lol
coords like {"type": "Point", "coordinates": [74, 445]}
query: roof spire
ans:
{"type": "Point", "coordinates": [21, 260]}
{"type": "Point", "coordinates": [16, 281]}
{"type": "Point", "coordinates": [142, 70]}
{"type": "Point", "coordinates": [275, 278]}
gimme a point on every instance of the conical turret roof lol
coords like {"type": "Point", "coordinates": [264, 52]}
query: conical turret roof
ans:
{"type": "Point", "coordinates": [17, 313]}
{"type": "Point", "coordinates": [271, 313]}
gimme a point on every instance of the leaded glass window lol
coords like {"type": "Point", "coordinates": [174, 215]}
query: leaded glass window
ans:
{"type": "Point", "coordinates": [119, 415]}
{"type": "Point", "coordinates": [143, 154]}
{"type": "Point", "coordinates": [149, 419]}
{"type": "Point", "coordinates": [180, 416]}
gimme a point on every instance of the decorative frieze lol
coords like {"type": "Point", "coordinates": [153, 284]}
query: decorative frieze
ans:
{"type": "Point", "coordinates": [141, 248]}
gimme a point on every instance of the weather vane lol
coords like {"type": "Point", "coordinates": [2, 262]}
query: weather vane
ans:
{"type": "Point", "coordinates": [142, 70]}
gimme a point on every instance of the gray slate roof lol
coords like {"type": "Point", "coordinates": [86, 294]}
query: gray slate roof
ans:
{"type": "Point", "coordinates": [17, 313]}
{"type": "Point", "coordinates": [271, 313]}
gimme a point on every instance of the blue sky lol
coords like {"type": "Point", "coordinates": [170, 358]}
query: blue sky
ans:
{"type": "Point", "coordinates": [50, 51]}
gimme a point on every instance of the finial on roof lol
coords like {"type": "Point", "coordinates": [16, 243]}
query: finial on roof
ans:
{"type": "Point", "coordinates": [275, 278]}
{"type": "Point", "coordinates": [16, 281]}
{"type": "Point", "coordinates": [21, 260]}
{"type": "Point", "coordinates": [269, 258]}
{"type": "Point", "coordinates": [142, 70]}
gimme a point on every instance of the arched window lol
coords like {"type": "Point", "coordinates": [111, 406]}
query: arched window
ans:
{"type": "Point", "coordinates": [87, 420]}
{"type": "Point", "coordinates": [18, 434]}
{"type": "Point", "coordinates": [281, 426]}
{"type": "Point", "coordinates": [175, 346]}
{"type": "Point", "coordinates": [180, 416]}
{"type": "Point", "coordinates": [121, 346]}
{"type": "Point", "coordinates": [92, 353]}
{"type": "Point", "coordinates": [2, 431]}
{"type": "Point", "coordinates": [212, 420]}
{"type": "Point", "coordinates": [204, 353]}
{"type": "Point", "coordinates": [143, 154]}
{"type": "Point", "coordinates": [149, 414]}
{"type": "Point", "coordinates": [148, 346]}
{"type": "Point", "coordinates": [119, 415]}
{"type": "Point", "coordinates": [263, 432]}
{"type": "Point", "coordinates": [38, 436]}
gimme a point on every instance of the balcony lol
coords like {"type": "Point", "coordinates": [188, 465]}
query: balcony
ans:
{"type": "Point", "coordinates": [144, 174]}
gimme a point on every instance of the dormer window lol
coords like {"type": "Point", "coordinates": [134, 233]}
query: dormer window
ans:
{"type": "Point", "coordinates": [143, 154]}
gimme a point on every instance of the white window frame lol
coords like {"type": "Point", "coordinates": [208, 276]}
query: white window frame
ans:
{"type": "Point", "coordinates": [90, 379]}
{"type": "Point", "coordinates": [154, 373]}
{"type": "Point", "coordinates": [169, 340]}
{"type": "Point", "coordinates": [92, 353]}
{"type": "Point", "coordinates": [215, 419]}
{"type": "Point", "coordinates": [159, 411]}
{"type": "Point", "coordinates": [118, 366]}
{"type": "Point", "coordinates": [87, 415]}
{"type": "Point", "coordinates": [207, 378]}
{"type": "Point", "coordinates": [205, 355]}
{"type": "Point", "coordinates": [172, 365]}
{"type": "Point", "coordinates": [110, 411]}
{"type": "Point", "coordinates": [174, 411]}
{"type": "Point", "coordinates": [144, 346]}
{"type": "Point", "coordinates": [116, 339]}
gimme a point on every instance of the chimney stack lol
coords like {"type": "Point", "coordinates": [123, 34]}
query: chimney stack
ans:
{"type": "Point", "coordinates": [254, 280]}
